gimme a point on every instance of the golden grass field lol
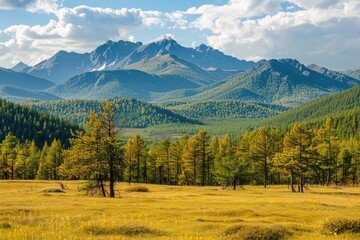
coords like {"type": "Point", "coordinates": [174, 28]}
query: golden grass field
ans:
{"type": "Point", "coordinates": [169, 212]}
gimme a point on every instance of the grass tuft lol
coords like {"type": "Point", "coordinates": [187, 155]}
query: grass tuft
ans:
{"type": "Point", "coordinates": [52, 190]}
{"type": "Point", "coordinates": [339, 226]}
{"type": "Point", "coordinates": [244, 232]}
{"type": "Point", "coordinates": [123, 230]}
{"type": "Point", "coordinates": [5, 225]}
{"type": "Point", "coordinates": [137, 189]}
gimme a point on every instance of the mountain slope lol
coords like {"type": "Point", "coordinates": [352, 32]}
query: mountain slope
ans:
{"type": "Point", "coordinates": [286, 82]}
{"type": "Point", "coordinates": [20, 67]}
{"type": "Point", "coordinates": [61, 66]}
{"type": "Point", "coordinates": [170, 67]}
{"type": "Point", "coordinates": [115, 55]}
{"type": "Point", "coordinates": [202, 56]}
{"type": "Point", "coordinates": [355, 73]}
{"type": "Point", "coordinates": [16, 94]}
{"type": "Point", "coordinates": [11, 78]}
{"type": "Point", "coordinates": [29, 124]}
{"type": "Point", "coordinates": [131, 113]}
{"type": "Point", "coordinates": [121, 83]}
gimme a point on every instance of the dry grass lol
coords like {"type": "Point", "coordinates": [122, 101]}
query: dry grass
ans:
{"type": "Point", "coordinates": [169, 212]}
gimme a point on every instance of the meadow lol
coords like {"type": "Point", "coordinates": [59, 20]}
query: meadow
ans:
{"type": "Point", "coordinates": [174, 212]}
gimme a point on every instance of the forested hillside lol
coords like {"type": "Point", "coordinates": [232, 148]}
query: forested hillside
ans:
{"type": "Point", "coordinates": [343, 107]}
{"type": "Point", "coordinates": [28, 124]}
{"type": "Point", "coordinates": [225, 109]}
{"type": "Point", "coordinates": [131, 113]}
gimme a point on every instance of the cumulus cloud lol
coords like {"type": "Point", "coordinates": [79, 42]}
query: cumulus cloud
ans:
{"type": "Point", "coordinates": [324, 31]}
{"type": "Point", "coordinates": [30, 5]}
{"type": "Point", "coordinates": [79, 29]}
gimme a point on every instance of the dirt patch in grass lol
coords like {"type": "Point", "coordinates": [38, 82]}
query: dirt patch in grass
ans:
{"type": "Point", "coordinates": [339, 226]}
{"type": "Point", "coordinates": [124, 230]}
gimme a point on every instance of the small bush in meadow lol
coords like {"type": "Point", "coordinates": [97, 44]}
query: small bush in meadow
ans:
{"type": "Point", "coordinates": [257, 232]}
{"type": "Point", "coordinates": [338, 226]}
{"type": "Point", "coordinates": [137, 189]}
{"type": "Point", "coordinates": [5, 225]}
{"type": "Point", "coordinates": [52, 190]}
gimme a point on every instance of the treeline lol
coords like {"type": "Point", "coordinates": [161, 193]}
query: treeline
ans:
{"type": "Point", "coordinates": [28, 124]}
{"type": "Point", "coordinates": [131, 113]}
{"type": "Point", "coordinates": [26, 161]}
{"type": "Point", "coordinates": [262, 157]}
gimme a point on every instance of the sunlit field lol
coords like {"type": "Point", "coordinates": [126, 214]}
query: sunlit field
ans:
{"type": "Point", "coordinates": [170, 212]}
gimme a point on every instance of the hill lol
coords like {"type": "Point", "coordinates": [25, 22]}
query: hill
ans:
{"type": "Point", "coordinates": [225, 109]}
{"type": "Point", "coordinates": [130, 114]}
{"type": "Point", "coordinates": [120, 83]}
{"type": "Point", "coordinates": [16, 79]}
{"type": "Point", "coordinates": [28, 124]}
{"type": "Point", "coordinates": [115, 55]}
{"type": "Point", "coordinates": [343, 107]}
{"type": "Point", "coordinates": [17, 94]}
{"type": "Point", "coordinates": [286, 82]}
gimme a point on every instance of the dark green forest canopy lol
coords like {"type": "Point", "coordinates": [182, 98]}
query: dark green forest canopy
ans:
{"type": "Point", "coordinates": [130, 113]}
{"type": "Point", "coordinates": [28, 124]}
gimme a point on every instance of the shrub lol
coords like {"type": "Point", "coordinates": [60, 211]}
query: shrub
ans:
{"type": "Point", "coordinates": [338, 226]}
{"type": "Point", "coordinates": [137, 189]}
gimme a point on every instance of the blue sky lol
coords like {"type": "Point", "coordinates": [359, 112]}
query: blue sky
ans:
{"type": "Point", "coordinates": [324, 32]}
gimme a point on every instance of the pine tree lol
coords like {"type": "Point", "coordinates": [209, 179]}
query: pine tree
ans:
{"type": "Point", "coordinates": [262, 150]}
{"type": "Point", "coordinates": [203, 140]}
{"type": "Point", "coordinates": [296, 153]}
{"type": "Point", "coordinates": [190, 160]}
{"type": "Point", "coordinates": [96, 154]}
{"type": "Point", "coordinates": [8, 155]}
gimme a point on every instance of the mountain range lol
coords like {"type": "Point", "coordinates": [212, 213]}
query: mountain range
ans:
{"type": "Point", "coordinates": [201, 80]}
{"type": "Point", "coordinates": [116, 55]}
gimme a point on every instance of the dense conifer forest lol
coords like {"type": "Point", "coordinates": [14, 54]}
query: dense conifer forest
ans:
{"type": "Point", "coordinates": [263, 156]}
{"type": "Point", "coordinates": [27, 124]}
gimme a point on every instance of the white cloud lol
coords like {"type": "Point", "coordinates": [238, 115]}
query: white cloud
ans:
{"type": "Point", "coordinates": [78, 29]}
{"type": "Point", "coordinates": [324, 32]}
{"type": "Point", "coordinates": [30, 5]}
